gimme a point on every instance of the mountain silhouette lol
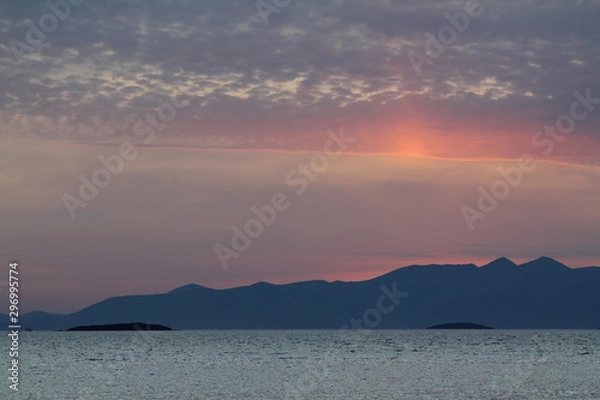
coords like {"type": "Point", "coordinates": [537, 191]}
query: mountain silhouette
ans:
{"type": "Point", "coordinates": [500, 264]}
{"type": "Point", "coordinates": [540, 294]}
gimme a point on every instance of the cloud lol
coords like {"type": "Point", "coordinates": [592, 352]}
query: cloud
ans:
{"type": "Point", "coordinates": [315, 63]}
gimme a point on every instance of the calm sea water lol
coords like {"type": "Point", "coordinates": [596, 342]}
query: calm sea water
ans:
{"type": "Point", "coordinates": [553, 365]}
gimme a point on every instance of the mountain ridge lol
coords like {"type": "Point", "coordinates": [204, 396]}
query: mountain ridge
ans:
{"type": "Point", "coordinates": [500, 294]}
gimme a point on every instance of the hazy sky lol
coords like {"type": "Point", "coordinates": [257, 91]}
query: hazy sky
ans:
{"type": "Point", "coordinates": [222, 107]}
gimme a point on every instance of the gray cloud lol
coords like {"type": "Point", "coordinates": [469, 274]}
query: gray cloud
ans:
{"type": "Point", "coordinates": [273, 86]}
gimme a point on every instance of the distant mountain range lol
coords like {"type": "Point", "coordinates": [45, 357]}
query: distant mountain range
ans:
{"type": "Point", "coordinates": [541, 294]}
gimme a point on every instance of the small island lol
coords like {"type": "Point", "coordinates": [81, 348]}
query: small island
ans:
{"type": "Point", "coordinates": [134, 326]}
{"type": "Point", "coordinates": [459, 325]}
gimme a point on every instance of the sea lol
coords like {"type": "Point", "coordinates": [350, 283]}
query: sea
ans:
{"type": "Point", "coordinates": [348, 364]}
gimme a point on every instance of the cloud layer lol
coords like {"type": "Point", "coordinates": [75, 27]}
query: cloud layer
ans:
{"type": "Point", "coordinates": [313, 65]}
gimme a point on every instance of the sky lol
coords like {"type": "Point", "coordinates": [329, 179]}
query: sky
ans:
{"type": "Point", "coordinates": [149, 145]}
